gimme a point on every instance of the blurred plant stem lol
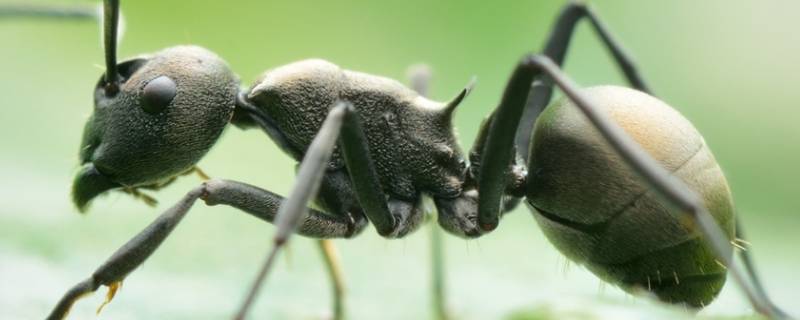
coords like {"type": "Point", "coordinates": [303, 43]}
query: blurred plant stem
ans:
{"type": "Point", "coordinates": [437, 272]}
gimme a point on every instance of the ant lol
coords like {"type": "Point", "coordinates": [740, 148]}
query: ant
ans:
{"type": "Point", "coordinates": [618, 180]}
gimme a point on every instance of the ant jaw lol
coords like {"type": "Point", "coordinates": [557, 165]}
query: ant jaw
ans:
{"type": "Point", "coordinates": [88, 184]}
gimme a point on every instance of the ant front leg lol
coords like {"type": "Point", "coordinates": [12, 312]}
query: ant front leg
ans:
{"type": "Point", "coordinates": [258, 202]}
{"type": "Point", "coordinates": [255, 201]}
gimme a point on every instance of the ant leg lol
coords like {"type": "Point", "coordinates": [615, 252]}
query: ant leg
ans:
{"type": "Point", "coordinates": [293, 210]}
{"type": "Point", "coordinates": [392, 218]}
{"type": "Point", "coordinates": [556, 48]}
{"type": "Point", "coordinates": [265, 205]}
{"type": "Point", "coordinates": [419, 77]}
{"type": "Point", "coordinates": [540, 89]}
{"type": "Point", "coordinates": [334, 267]}
{"type": "Point", "coordinates": [330, 197]}
{"type": "Point", "coordinates": [500, 142]}
{"type": "Point", "coordinates": [258, 202]}
{"type": "Point", "coordinates": [745, 252]}
{"type": "Point", "coordinates": [334, 197]}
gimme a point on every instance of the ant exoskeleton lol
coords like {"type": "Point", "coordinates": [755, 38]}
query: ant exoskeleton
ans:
{"type": "Point", "coordinates": [618, 181]}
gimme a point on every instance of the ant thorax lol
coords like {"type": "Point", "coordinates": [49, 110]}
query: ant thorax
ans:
{"type": "Point", "coordinates": [410, 138]}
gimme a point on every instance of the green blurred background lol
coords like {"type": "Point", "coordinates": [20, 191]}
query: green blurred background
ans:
{"type": "Point", "coordinates": [730, 66]}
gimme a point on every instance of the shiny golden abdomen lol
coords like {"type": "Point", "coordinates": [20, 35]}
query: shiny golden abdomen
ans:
{"type": "Point", "coordinates": [599, 213]}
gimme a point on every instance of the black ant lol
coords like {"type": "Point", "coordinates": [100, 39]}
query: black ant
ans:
{"type": "Point", "coordinates": [618, 180]}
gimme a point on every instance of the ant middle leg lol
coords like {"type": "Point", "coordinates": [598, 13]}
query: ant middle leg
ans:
{"type": "Point", "coordinates": [391, 217]}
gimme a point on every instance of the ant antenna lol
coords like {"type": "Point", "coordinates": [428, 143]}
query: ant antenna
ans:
{"type": "Point", "coordinates": [41, 11]}
{"type": "Point", "coordinates": [110, 17]}
{"type": "Point", "coordinates": [110, 26]}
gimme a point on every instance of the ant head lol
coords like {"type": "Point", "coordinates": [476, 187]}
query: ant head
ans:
{"type": "Point", "coordinates": [166, 113]}
{"type": "Point", "coordinates": [154, 117]}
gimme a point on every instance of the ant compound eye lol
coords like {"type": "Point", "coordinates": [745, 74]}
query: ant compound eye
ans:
{"type": "Point", "coordinates": [158, 94]}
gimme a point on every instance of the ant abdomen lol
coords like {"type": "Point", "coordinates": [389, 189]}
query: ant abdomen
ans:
{"type": "Point", "coordinates": [599, 213]}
